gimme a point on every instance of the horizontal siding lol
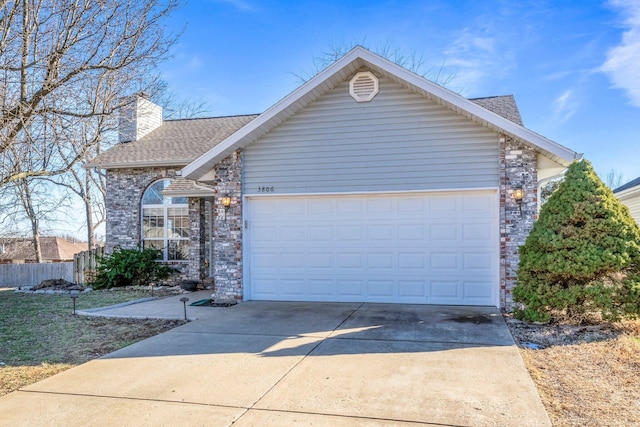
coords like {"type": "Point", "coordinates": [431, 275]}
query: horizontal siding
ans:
{"type": "Point", "coordinates": [633, 204]}
{"type": "Point", "coordinates": [398, 141]}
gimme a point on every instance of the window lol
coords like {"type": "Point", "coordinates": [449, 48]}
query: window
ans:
{"type": "Point", "coordinates": [165, 222]}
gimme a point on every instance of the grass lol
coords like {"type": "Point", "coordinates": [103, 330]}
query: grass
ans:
{"type": "Point", "coordinates": [41, 337]}
{"type": "Point", "coordinates": [589, 379]}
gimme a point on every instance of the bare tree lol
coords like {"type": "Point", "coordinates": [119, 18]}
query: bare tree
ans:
{"type": "Point", "coordinates": [63, 61]}
{"type": "Point", "coordinates": [409, 59]}
{"type": "Point", "coordinates": [613, 179]}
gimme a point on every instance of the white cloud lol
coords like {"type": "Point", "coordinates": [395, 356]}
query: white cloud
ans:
{"type": "Point", "coordinates": [623, 61]}
{"type": "Point", "coordinates": [565, 106]}
{"type": "Point", "coordinates": [242, 5]}
{"type": "Point", "coordinates": [474, 55]}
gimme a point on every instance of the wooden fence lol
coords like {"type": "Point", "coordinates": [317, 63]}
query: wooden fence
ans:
{"type": "Point", "coordinates": [84, 264]}
{"type": "Point", "coordinates": [28, 275]}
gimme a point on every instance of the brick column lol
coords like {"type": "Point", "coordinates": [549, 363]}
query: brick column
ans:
{"type": "Point", "coordinates": [197, 230]}
{"type": "Point", "coordinates": [518, 168]}
{"type": "Point", "coordinates": [227, 229]}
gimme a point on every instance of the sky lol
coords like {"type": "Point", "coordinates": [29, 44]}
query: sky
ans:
{"type": "Point", "coordinates": [573, 66]}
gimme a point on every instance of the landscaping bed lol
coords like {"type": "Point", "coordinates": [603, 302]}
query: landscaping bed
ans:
{"type": "Point", "coordinates": [586, 375]}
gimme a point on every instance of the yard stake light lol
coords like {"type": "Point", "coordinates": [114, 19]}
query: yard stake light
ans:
{"type": "Point", "coordinates": [184, 302]}
{"type": "Point", "coordinates": [74, 296]}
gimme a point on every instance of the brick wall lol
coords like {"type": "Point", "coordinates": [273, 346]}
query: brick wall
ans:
{"type": "Point", "coordinates": [227, 229]}
{"type": "Point", "coordinates": [518, 168]}
{"type": "Point", "coordinates": [125, 188]}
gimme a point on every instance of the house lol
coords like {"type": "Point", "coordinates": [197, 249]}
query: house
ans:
{"type": "Point", "coordinates": [367, 183]}
{"type": "Point", "coordinates": [629, 195]}
{"type": "Point", "coordinates": [18, 250]}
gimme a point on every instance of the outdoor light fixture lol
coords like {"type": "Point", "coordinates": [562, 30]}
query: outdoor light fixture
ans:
{"type": "Point", "coordinates": [226, 202]}
{"type": "Point", "coordinates": [184, 300]}
{"type": "Point", "coordinates": [74, 296]}
{"type": "Point", "coordinates": [518, 195]}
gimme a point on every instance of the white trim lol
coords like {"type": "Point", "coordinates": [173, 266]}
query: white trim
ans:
{"type": "Point", "coordinates": [364, 193]}
{"type": "Point", "coordinates": [339, 71]}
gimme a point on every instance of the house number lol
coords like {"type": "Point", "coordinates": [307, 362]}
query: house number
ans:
{"type": "Point", "coordinates": [266, 189]}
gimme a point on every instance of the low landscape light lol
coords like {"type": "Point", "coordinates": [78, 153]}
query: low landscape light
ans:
{"type": "Point", "coordinates": [74, 295]}
{"type": "Point", "coordinates": [184, 302]}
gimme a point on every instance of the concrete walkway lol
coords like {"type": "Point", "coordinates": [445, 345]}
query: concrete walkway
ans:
{"type": "Point", "coordinates": [280, 364]}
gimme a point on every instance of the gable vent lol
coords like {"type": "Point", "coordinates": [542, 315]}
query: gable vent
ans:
{"type": "Point", "coordinates": [363, 86]}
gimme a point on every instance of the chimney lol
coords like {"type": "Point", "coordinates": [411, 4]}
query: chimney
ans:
{"type": "Point", "coordinates": [138, 118]}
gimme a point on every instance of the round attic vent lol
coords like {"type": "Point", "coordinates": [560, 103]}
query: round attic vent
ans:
{"type": "Point", "coordinates": [363, 86]}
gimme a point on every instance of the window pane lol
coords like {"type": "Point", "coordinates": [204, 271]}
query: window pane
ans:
{"type": "Point", "coordinates": [153, 223]}
{"type": "Point", "coordinates": [178, 222]}
{"type": "Point", "coordinates": [178, 250]}
{"type": "Point", "coordinates": [153, 195]}
{"type": "Point", "coordinates": [156, 244]}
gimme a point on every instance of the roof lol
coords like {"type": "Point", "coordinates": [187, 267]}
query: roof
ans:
{"type": "Point", "coordinates": [504, 106]}
{"type": "Point", "coordinates": [481, 111]}
{"type": "Point", "coordinates": [181, 187]}
{"type": "Point", "coordinates": [52, 248]}
{"type": "Point", "coordinates": [628, 185]}
{"type": "Point", "coordinates": [174, 143]}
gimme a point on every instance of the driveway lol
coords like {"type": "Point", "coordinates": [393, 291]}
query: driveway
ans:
{"type": "Point", "coordinates": [278, 364]}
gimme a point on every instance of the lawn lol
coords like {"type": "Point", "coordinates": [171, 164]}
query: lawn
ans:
{"type": "Point", "coordinates": [586, 376]}
{"type": "Point", "coordinates": [40, 336]}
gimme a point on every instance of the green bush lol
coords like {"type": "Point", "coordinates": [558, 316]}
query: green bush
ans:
{"type": "Point", "coordinates": [127, 267]}
{"type": "Point", "coordinates": [582, 257]}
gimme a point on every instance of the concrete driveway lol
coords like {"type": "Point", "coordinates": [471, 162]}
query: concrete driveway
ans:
{"type": "Point", "coordinates": [280, 364]}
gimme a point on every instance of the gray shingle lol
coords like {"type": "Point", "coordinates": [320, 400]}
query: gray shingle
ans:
{"type": "Point", "coordinates": [504, 105]}
{"type": "Point", "coordinates": [175, 143]}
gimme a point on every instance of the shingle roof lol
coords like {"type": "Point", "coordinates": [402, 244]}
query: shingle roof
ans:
{"type": "Point", "coordinates": [628, 185]}
{"type": "Point", "coordinates": [182, 187]}
{"type": "Point", "coordinates": [52, 248]}
{"type": "Point", "coordinates": [504, 106]}
{"type": "Point", "coordinates": [174, 143]}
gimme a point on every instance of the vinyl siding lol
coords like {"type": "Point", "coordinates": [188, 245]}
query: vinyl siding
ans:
{"type": "Point", "coordinates": [633, 203]}
{"type": "Point", "coordinates": [398, 141]}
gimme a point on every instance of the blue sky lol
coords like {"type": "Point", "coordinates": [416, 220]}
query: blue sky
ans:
{"type": "Point", "coordinates": [573, 66]}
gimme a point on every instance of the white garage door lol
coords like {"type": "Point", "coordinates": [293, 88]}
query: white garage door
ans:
{"type": "Point", "coordinates": [437, 248]}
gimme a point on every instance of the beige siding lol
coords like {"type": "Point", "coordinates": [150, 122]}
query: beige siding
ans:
{"type": "Point", "coordinates": [398, 141]}
{"type": "Point", "coordinates": [633, 203]}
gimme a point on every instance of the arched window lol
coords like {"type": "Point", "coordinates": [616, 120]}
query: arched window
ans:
{"type": "Point", "coordinates": [165, 222]}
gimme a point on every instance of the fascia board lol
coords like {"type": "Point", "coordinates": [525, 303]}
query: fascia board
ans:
{"type": "Point", "coordinates": [135, 165]}
{"type": "Point", "coordinates": [628, 193]}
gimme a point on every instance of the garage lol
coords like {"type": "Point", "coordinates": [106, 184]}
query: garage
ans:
{"type": "Point", "coordinates": [424, 248]}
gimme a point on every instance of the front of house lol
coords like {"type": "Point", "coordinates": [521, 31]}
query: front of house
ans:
{"type": "Point", "coordinates": [368, 183]}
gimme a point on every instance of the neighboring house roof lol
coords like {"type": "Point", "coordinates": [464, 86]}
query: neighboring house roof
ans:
{"type": "Point", "coordinates": [175, 143]}
{"type": "Point", "coordinates": [628, 185]}
{"type": "Point", "coordinates": [356, 59]}
{"type": "Point", "coordinates": [52, 248]}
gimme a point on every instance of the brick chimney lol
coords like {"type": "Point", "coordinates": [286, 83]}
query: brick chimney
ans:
{"type": "Point", "coordinates": [138, 118]}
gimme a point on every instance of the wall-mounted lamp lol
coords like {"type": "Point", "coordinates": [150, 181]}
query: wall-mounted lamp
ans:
{"type": "Point", "coordinates": [518, 195]}
{"type": "Point", "coordinates": [226, 202]}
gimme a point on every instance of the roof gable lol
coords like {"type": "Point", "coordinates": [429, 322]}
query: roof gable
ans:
{"type": "Point", "coordinates": [479, 111]}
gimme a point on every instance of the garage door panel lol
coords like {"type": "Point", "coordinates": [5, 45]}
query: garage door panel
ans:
{"type": "Point", "coordinates": [415, 248]}
{"type": "Point", "coordinates": [412, 290]}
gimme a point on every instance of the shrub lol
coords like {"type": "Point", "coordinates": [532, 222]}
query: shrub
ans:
{"type": "Point", "coordinates": [582, 256]}
{"type": "Point", "coordinates": [126, 267]}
